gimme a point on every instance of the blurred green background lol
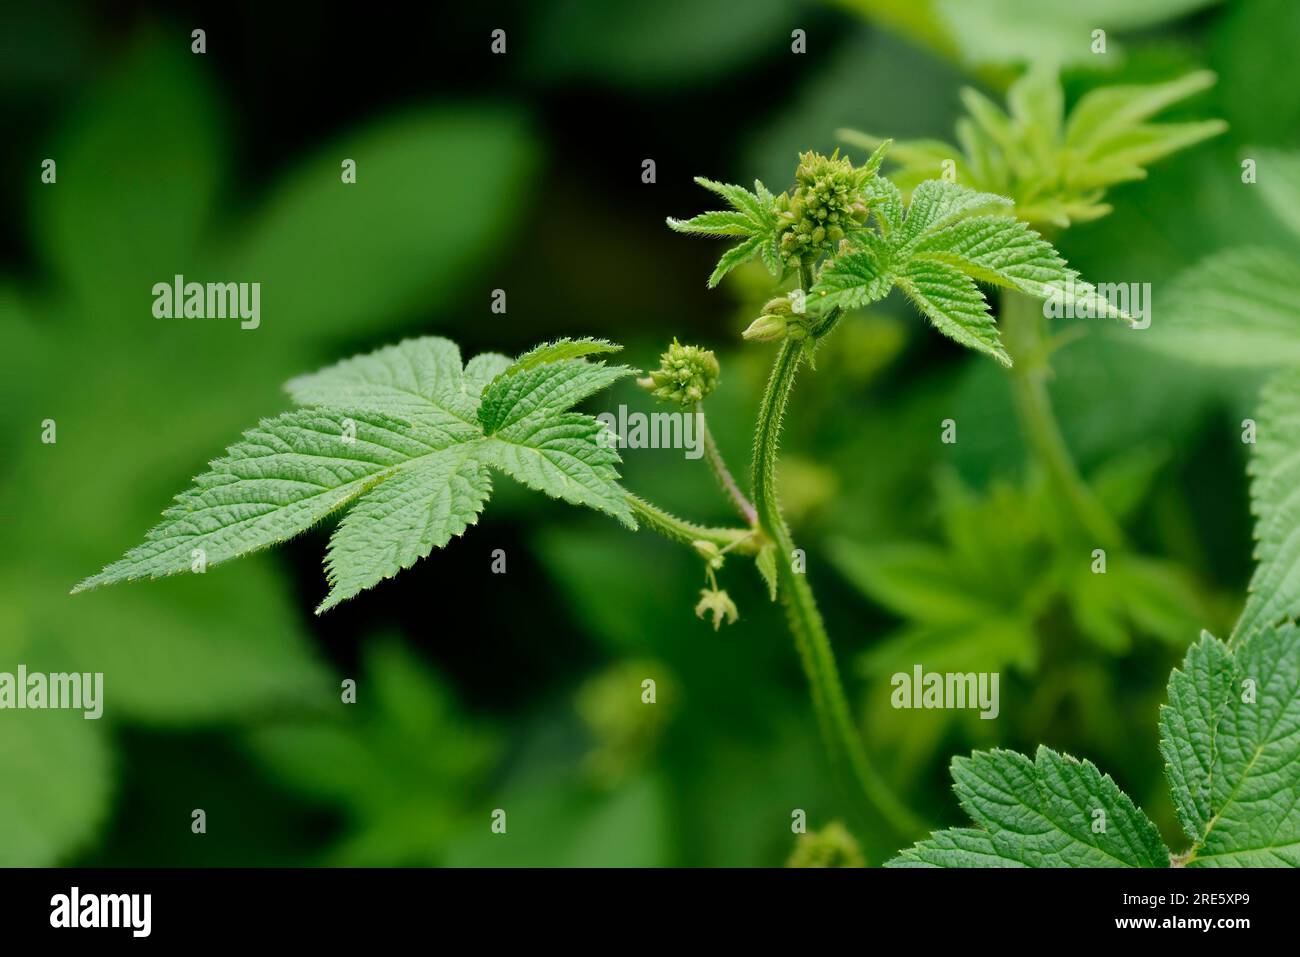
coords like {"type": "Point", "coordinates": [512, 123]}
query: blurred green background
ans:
{"type": "Point", "coordinates": [522, 172]}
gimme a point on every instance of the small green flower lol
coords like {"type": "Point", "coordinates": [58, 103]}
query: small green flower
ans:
{"type": "Point", "coordinates": [832, 846]}
{"type": "Point", "coordinates": [717, 603]}
{"type": "Point", "coordinates": [828, 201]}
{"type": "Point", "coordinates": [686, 374]}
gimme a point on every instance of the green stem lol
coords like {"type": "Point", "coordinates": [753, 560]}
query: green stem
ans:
{"type": "Point", "coordinates": [811, 640]}
{"type": "Point", "coordinates": [740, 540]}
{"type": "Point", "coordinates": [722, 473]}
{"type": "Point", "coordinates": [1024, 331]}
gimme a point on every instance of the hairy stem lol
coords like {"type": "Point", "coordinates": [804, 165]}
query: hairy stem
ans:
{"type": "Point", "coordinates": [813, 644]}
{"type": "Point", "coordinates": [740, 540]}
{"type": "Point", "coordinates": [722, 473]}
{"type": "Point", "coordinates": [1023, 330]}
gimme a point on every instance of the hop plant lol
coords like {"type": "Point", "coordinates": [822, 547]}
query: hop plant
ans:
{"type": "Point", "coordinates": [686, 374]}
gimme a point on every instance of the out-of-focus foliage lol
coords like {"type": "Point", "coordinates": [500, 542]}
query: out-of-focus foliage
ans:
{"type": "Point", "coordinates": [137, 402]}
{"type": "Point", "coordinates": [1056, 168]}
{"type": "Point", "coordinates": [400, 763]}
{"type": "Point", "coordinates": [997, 32]}
{"type": "Point", "coordinates": [680, 42]}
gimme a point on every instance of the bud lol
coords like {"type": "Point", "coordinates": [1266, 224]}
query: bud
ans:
{"type": "Point", "coordinates": [709, 552]}
{"type": "Point", "coordinates": [829, 195]}
{"type": "Point", "coordinates": [686, 374]}
{"type": "Point", "coordinates": [717, 603]}
{"type": "Point", "coordinates": [766, 328]}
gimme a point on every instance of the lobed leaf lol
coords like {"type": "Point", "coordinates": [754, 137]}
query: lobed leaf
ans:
{"type": "Point", "coordinates": [405, 436]}
{"type": "Point", "coordinates": [1056, 170]}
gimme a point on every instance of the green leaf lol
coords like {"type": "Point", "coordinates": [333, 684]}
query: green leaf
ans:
{"type": "Point", "coordinates": [1006, 252]}
{"type": "Point", "coordinates": [403, 519]}
{"type": "Point", "coordinates": [435, 189]}
{"type": "Point", "coordinates": [564, 456]}
{"type": "Point", "coordinates": [1039, 813]}
{"type": "Point", "coordinates": [559, 350]}
{"type": "Point", "coordinates": [283, 477]}
{"type": "Point", "coordinates": [886, 203]}
{"type": "Point", "coordinates": [684, 42]}
{"type": "Point", "coordinates": [858, 277]}
{"type": "Point", "coordinates": [753, 217]}
{"type": "Point", "coordinates": [954, 304]}
{"type": "Point", "coordinates": [935, 250]}
{"type": "Point", "coordinates": [717, 223]}
{"type": "Point", "coordinates": [1106, 111]}
{"type": "Point", "coordinates": [738, 255]}
{"type": "Point", "coordinates": [191, 649]}
{"type": "Point", "coordinates": [403, 433]}
{"type": "Point", "coordinates": [482, 369]}
{"type": "Point", "coordinates": [1056, 172]}
{"type": "Point", "coordinates": [912, 580]}
{"type": "Point", "coordinates": [1234, 308]}
{"type": "Point", "coordinates": [418, 380]}
{"type": "Point", "coordinates": [397, 764]}
{"type": "Point", "coordinates": [752, 205]}
{"type": "Point", "coordinates": [1125, 156]}
{"type": "Point", "coordinates": [142, 156]}
{"type": "Point", "coordinates": [937, 203]}
{"type": "Point", "coordinates": [991, 642]}
{"type": "Point", "coordinates": [1050, 31]}
{"type": "Point", "coordinates": [1279, 183]}
{"type": "Point", "coordinates": [56, 766]}
{"type": "Point", "coordinates": [1230, 735]}
{"type": "Point", "coordinates": [542, 391]}
{"type": "Point", "coordinates": [1274, 592]}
